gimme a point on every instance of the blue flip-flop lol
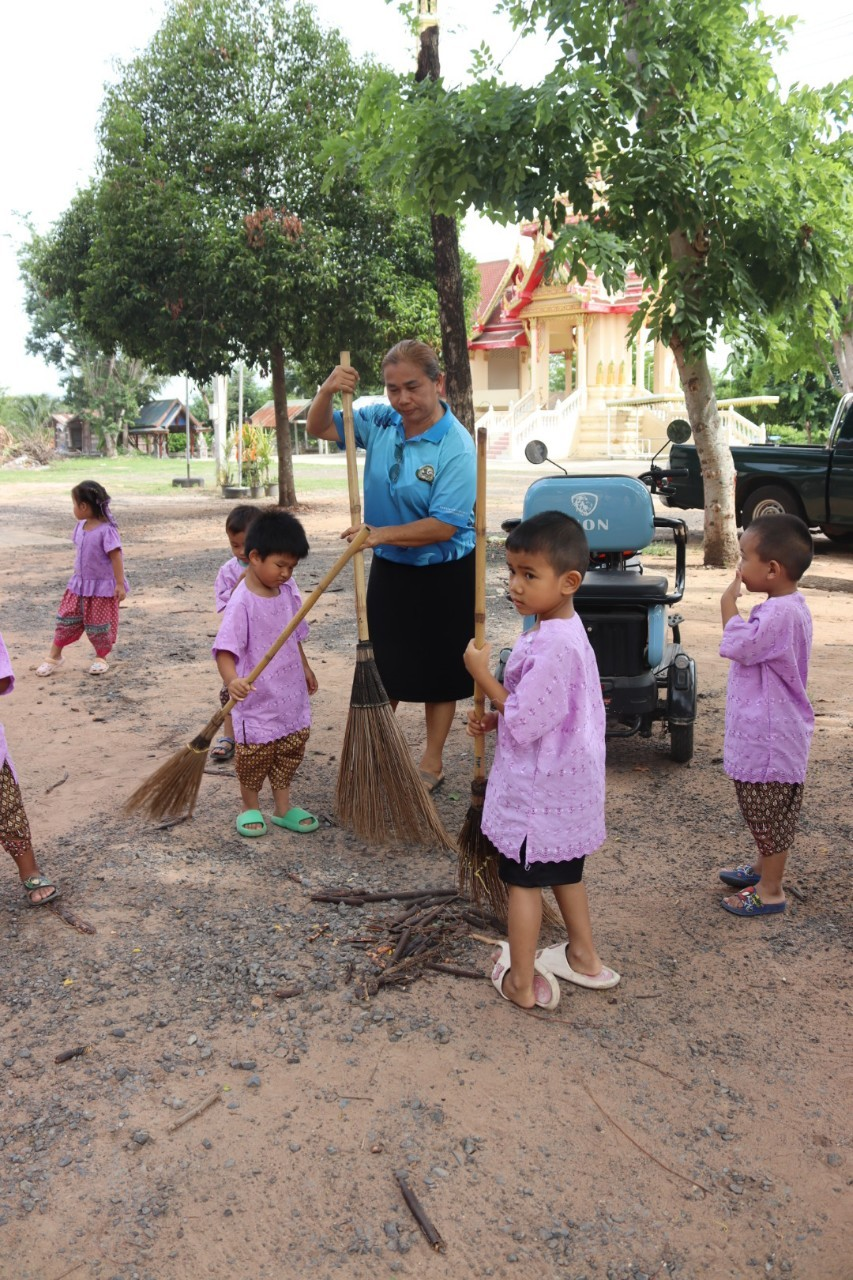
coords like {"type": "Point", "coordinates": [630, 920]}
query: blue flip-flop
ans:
{"type": "Point", "coordinates": [751, 905]}
{"type": "Point", "coordinates": [742, 877]}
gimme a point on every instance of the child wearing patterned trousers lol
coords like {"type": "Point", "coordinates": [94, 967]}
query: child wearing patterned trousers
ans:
{"type": "Point", "coordinates": [14, 827]}
{"type": "Point", "coordinates": [769, 719]}
{"type": "Point", "coordinates": [272, 716]}
{"type": "Point", "coordinates": [97, 586]}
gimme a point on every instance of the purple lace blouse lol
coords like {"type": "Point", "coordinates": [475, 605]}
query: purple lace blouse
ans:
{"type": "Point", "coordinates": [280, 703]}
{"type": "Point", "coordinates": [6, 670]}
{"type": "Point", "coordinates": [769, 719]}
{"type": "Point", "coordinates": [93, 571]}
{"type": "Point", "coordinates": [547, 779]}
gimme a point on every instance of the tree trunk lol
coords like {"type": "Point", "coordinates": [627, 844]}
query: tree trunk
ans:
{"type": "Point", "coordinates": [842, 345]}
{"type": "Point", "coordinates": [715, 458]}
{"type": "Point", "coordinates": [286, 485]}
{"type": "Point", "coordinates": [448, 276]}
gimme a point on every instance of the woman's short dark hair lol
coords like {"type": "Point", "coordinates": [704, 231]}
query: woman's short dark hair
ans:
{"type": "Point", "coordinates": [276, 533]}
{"type": "Point", "coordinates": [557, 537]}
{"type": "Point", "coordinates": [785, 539]}
{"type": "Point", "coordinates": [412, 351]}
{"type": "Point", "coordinates": [239, 518]}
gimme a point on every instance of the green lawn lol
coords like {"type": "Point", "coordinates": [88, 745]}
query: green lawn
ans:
{"type": "Point", "coordinates": [143, 475]}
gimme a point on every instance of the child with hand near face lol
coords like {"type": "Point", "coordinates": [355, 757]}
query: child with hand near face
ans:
{"type": "Point", "coordinates": [544, 805]}
{"type": "Point", "coordinates": [272, 718]}
{"type": "Point", "coordinates": [769, 719]}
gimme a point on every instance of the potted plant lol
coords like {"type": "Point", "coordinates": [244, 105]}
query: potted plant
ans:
{"type": "Point", "coordinates": [226, 477]}
{"type": "Point", "coordinates": [265, 443]}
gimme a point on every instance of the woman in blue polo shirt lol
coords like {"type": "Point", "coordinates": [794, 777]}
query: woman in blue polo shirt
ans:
{"type": "Point", "coordinates": [419, 489]}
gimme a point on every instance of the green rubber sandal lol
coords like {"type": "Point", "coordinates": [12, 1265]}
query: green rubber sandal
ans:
{"type": "Point", "coordinates": [251, 823]}
{"type": "Point", "coordinates": [298, 820]}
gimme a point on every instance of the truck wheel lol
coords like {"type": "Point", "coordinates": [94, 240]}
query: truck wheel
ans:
{"type": "Point", "coordinates": [769, 500]}
{"type": "Point", "coordinates": [836, 533]}
{"type": "Point", "coordinates": [681, 743]}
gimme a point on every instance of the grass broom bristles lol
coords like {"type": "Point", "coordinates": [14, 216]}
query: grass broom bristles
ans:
{"type": "Point", "coordinates": [380, 794]}
{"type": "Point", "coordinates": [478, 858]}
{"type": "Point", "coordinates": [172, 790]}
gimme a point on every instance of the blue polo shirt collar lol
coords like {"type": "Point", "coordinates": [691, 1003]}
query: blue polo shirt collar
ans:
{"type": "Point", "coordinates": [436, 432]}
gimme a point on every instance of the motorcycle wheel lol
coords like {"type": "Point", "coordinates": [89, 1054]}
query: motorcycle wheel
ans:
{"type": "Point", "coordinates": [681, 743]}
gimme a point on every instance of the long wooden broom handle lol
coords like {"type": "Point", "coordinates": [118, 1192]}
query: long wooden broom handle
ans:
{"type": "Point", "coordinates": [354, 508]}
{"type": "Point", "coordinates": [307, 605]}
{"type": "Point", "coordinates": [480, 589]}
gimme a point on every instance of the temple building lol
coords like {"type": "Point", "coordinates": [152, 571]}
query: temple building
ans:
{"type": "Point", "coordinates": [617, 394]}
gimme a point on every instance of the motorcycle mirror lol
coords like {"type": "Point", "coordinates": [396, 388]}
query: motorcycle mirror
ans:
{"type": "Point", "coordinates": [535, 451]}
{"type": "Point", "coordinates": [679, 431]}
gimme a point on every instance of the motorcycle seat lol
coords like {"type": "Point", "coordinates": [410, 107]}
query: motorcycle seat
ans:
{"type": "Point", "coordinates": [623, 586]}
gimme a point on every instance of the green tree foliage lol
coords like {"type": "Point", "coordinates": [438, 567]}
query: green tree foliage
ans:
{"type": "Point", "coordinates": [208, 238]}
{"type": "Point", "coordinates": [104, 386]}
{"type": "Point", "coordinates": [662, 130]}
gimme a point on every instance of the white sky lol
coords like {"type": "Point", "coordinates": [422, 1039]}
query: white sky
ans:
{"type": "Point", "coordinates": [55, 69]}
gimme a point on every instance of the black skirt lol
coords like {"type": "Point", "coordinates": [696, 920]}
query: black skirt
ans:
{"type": "Point", "coordinates": [421, 618]}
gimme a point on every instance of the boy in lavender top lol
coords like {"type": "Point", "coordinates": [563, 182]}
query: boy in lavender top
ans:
{"type": "Point", "coordinates": [769, 719]}
{"type": "Point", "coordinates": [272, 717]}
{"type": "Point", "coordinates": [544, 806]}
{"type": "Point", "coordinates": [14, 826]}
{"type": "Point", "coordinates": [230, 574]}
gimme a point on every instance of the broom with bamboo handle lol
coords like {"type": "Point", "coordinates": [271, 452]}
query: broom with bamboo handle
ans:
{"type": "Point", "coordinates": [478, 857]}
{"type": "Point", "coordinates": [379, 793]}
{"type": "Point", "coordinates": [172, 790]}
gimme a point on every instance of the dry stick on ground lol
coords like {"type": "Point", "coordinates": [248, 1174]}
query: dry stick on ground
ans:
{"type": "Point", "coordinates": [418, 1212]}
{"type": "Point", "coordinates": [196, 1111]}
{"type": "Point", "coordinates": [692, 1181]}
{"type": "Point", "coordinates": [53, 787]}
{"type": "Point", "coordinates": [173, 789]}
{"type": "Point", "coordinates": [379, 792]}
{"type": "Point", "coordinates": [72, 1053]}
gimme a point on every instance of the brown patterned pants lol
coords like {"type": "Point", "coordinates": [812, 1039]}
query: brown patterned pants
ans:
{"type": "Point", "coordinates": [770, 810]}
{"type": "Point", "coordinates": [14, 826]}
{"type": "Point", "coordinates": [278, 761]}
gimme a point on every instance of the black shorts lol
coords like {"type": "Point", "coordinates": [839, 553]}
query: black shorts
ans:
{"type": "Point", "coordinates": [539, 875]}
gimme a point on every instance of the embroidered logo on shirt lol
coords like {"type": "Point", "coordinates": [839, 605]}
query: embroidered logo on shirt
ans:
{"type": "Point", "coordinates": [427, 474]}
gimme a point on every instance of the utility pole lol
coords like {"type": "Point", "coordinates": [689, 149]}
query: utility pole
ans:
{"type": "Point", "coordinates": [445, 248]}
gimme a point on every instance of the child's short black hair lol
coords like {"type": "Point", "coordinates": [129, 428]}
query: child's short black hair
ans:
{"type": "Point", "coordinates": [92, 494]}
{"type": "Point", "coordinates": [557, 537]}
{"type": "Point", "coordinates": [276, 533]}
{"type": "Point", "coordinates": [239, 518]}
{"type": "Point", "coordinates": [786, 539]}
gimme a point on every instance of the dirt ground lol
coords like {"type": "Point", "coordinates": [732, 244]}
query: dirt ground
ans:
{"type": "Point", "coordinates": [694, 1122]}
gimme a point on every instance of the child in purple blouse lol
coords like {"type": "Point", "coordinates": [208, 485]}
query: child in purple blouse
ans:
{"type": "Point", "coordinates": [98, 585]}
{"type": "Point", "coordinates": [272, 718]}
{"type": "Point", "coordinates": [544, 806]}
{"type": "Point", "coordinates": [230, 574]}
{"type": "Point", "coordinates": [769, 719]}
{"type": "Point", "coordinates": [14, 827]}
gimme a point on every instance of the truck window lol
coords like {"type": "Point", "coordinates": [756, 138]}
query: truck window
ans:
{"type": "Point", "coordinates": [844, 434]}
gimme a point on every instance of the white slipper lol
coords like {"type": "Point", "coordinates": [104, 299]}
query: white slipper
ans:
{"type": "Point", "coordinates": [546, 992]}
{"type": "Point", "coordinates": [555, 960]}
{"type": "Point", "coordinates": [48, 667]}
{"type": "Point", "coordinates": [98, 667]}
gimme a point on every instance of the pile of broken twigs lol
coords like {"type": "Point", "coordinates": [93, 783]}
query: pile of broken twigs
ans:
{"type": "Point", "coordinates": [421, 938]}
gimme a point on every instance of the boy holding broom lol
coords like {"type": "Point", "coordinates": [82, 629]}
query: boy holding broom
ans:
{"type": "Point", "coordinates": [272, 718]}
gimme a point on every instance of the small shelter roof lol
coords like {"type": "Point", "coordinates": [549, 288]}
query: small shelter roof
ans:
{"type": "Point", "coordinates": [164, 415]}
{"type": "Point", "coordinates": [265, 416]}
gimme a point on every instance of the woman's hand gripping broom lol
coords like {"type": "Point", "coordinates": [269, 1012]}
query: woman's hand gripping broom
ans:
{"type": "Point", "coordinates": [380, 793]}
{"type": "Point", "coordinates": [172, 790]}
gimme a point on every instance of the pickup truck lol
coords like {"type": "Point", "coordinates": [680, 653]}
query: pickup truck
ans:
{"type": "Point", "coordinates": [814, 482]}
